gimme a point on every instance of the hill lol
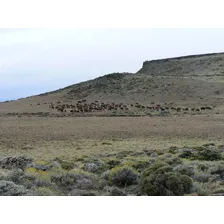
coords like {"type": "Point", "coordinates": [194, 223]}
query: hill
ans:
{"type": "Point", "coordinates": [182, 81]}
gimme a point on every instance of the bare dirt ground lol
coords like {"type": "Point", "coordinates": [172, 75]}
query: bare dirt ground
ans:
{"type": "Point", "coordinates": [46, 137]}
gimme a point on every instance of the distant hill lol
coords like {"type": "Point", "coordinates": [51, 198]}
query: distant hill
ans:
{"type": "Point", "coordinates": [194, 65]}
{"type": "Point", "coordinates": [188, 80]}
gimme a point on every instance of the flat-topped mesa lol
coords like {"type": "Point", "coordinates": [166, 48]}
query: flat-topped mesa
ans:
{"type": "Point", "coordinates": [193, 65]}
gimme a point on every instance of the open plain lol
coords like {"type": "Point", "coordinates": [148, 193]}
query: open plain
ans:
{"type": "Point", "coordinates": [48, 137]}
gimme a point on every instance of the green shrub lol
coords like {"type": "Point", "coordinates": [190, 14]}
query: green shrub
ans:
{"type": "Point", "coordinates": [173, 160]}
{"type": "Point", "coordinates": [64, 180]}
{"type": "Point", "coordinates": [184, 169]}
{"type": "Point", "coordinates": [160, 180]}
{"type": "Point", "coordinates": [113, 162]}
{"type": "Point", "coordinates": [186, 153]}
{"type": "Point", "coordinates": [8, 188]}
{"type": "Point", "coordinates": [218, 191]}
{"type": "Point", "coordinates": [95, 165]}
{"type": "Point", "coordinates": [79, 192]}
{"type": "Point", "coordinates": [172, 149]}
{"type": "Point", "coordinates": [85, 183]}
{"type": "Point", "coordinates": [91, 167]}
{"type": "Point", "coordinates": [222, 155]}
{"type": "Point", "coordinates": [16, 176]}
{"type": "Point", "coordinates": [214, 170]}
{"type": "Point", "coordinates": [123, 176]}
{"type": "Point", "coordinates": [36, 177]}
{"type": "Point", "coordinates": [105, 175]}
{"type": "Point", "coordinates": [37, 174]}
{"type": "Point", "coordinates": [207, 153]}
{"type": "Point", "coordinates": [45, 191]}
{"type": "Point", "coordinates": [115, 191]}
{"type": "Point", "coordinates": [138, 164]}
{"type": "Point", "coordinates": [201, 189]}
{"type": "Point", "coordinates": [20, 162]}
{"type": "Point", "coordinates": [73, 178]}
{"type": "Point", "coordinates": [4, 174]}
{"type": "Point", "coordinates": [67, 165]}
{"type": "Point", "coordinates": [217, 168]}
{"type": "Point", "coordinates": [177, 183]}
{"type": "Point", "coordinates": [203, 177]}
{"type": "Point", "coordinates": [203, 167]}
{"type": "Point", "coordinates": [123, 154]}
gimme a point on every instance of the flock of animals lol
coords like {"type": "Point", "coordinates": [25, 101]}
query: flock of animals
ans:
{"type": "Point", "coordinates": [83, 107]}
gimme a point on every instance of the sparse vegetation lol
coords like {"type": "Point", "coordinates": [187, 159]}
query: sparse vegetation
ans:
{"type": "Point", "coordinates": [123, 176]}
{"type": "Point", "coordinates": [172, 172]}
{"type": "Point", "coordinates": [8, 188]}
{"type": "Point", "coordinates": [154, 132]}
{"type": "Point", "coordinates": [160, 180]}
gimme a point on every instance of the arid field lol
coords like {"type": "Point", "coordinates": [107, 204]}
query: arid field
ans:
{"type": "Point", "coordinates": [71, 136]}
{"type": "Point", "coordinates": [157, 132]}
{"type": "Point", "coordinates": [107, 155]}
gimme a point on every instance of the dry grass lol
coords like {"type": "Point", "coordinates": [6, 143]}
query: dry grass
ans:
{"type": "Point", "coordinates": [47, 138]}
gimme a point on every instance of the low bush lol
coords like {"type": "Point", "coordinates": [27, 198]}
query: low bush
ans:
{"type": "Point", "coordinates": [3, 174]}
{"type": "Point", "coordinates": [19, 162]}
{"type": "Point", "coordinates": [203, 177]}
{"type": "Point", "coordinates": [218, 191]}
{"type": "Point", "coordinates": [138, 164]}
{"type": "Point", "coordinates": [113, 162]}
{"type": "Point", "coordinates": [65, 164]}
{"type": "Point", "coordinates": [85, 184]}
{"type": "Point", "coordinates": [160, 180]}
{"type": "Point", "coordinates": [79, 192]}
{"type": "Point", "coordinates": [33, 176]}
{"type": "Point", "coordinates": [213, 169]}
{"type": "Point", "coordinates": [105, 175]}
{"type": "Point", "coordinates": [8, 188]}
{"type": "Point", "coordinates": [186, 153]}
{"type": "Point", "coordinates": [123, 154]}
{"type": "Point", "coordinates": [115, 191]}
{"type": "Point", "coordinates": [45, 191]}
{"type": "Point", "coordinates": [203, 167]}
{"type": "Point", "coordinates": [91, 167]}
{"type": "Point", "coordinates": [64, 180]}
{"type": "Point", "coordinates": [207, 153]}
{"type": "Point", "coordinates": [201, 189]}
{"type": "Point", "coordinates": [73, 178]}
{"type": "Point", "coordinates": [16, 176]}
{"type": "Point", "coordinates": [173, 149]}
{"type": "Point", "coordinates": [123, 176]}
{"type": "Point", "coordinates": [37, 174]}
{"type": "Point", "coordinates": [217, 168]}
{"type": "Point", "coordinates": [41, 165]}
{"type": "Point", "coordinates": [173, 160]}
{"type": "Point", "coordinates": [94, 165]}
{"type": "Point", "coordinates": [184, 169]}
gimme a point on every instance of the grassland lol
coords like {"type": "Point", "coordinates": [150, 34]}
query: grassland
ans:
{"type": "Point", "coordinates": [50, 137]}
{"type": "Point", "coordinates": [46, 152]}
{"type": "Point", "coordinates": [110, 156]}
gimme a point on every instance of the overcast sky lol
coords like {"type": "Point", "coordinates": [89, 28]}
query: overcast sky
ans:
{"type": "Point", "coordinates": [34, 61]}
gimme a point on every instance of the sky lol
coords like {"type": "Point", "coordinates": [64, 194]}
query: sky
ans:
{"type": "Point", "coordinates": [34, 61]}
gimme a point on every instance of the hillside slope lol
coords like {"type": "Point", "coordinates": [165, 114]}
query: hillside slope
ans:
{"type": "Point", "coordinates": [190, 80]}
{"type": "Point", "coordinates": [195, 65]}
